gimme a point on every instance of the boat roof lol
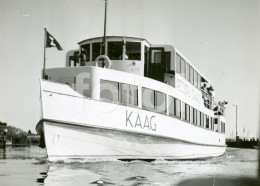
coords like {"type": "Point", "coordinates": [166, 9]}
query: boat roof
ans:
{"type": "Point", "coordinates": [129, 37]}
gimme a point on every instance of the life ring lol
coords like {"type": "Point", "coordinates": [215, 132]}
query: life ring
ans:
{"type": "Point", "coordinates": [105, 58]}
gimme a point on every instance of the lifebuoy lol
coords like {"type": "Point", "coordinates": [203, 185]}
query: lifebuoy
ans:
{"type": "Point", "coordinates": [106, 59]}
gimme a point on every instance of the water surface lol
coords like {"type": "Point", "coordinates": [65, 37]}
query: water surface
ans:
{"type": "Point", "coordinates": [29, 166]}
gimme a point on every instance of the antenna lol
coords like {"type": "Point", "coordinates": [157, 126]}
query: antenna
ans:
{"type": "Point", "coordinates": [103, 49]}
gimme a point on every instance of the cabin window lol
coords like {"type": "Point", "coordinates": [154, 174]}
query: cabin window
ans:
{"type": "Point", "coordinates": [207, 121]}
{"type": "Point", "coordinates": [191, 114]}
{"type": "Point", "coordinates": [72, 61]}
{"type": "Point", "coordinates": [146, 60]}
{"type": "Point", "coordinates": [85, 53]}
{"type": "Point", "coordinates": [160, 102]}
{"type": "Point", "coordinates": [216, 121]}
{"type": "Point", "coordinates": [201, 119]}
{"type": "Point", "coordinates": [223, 127]}
{"type": "Point", "coordinates": [129, 94]}
{"type": "Point", "coordinates": [183, 108]}
{"type": "Point", "coordinates": [96, 50]}
{"type": "Point", "coordinates": [148, 99]}
{"type": "Point", "coordinates": [199, 81]}
{"type": "Point", "coordinates": [76, 58]}
{"type": "Point", "coordinates": [198, 118]}
{"type": "Point", "coordinates": [115, 50]}
{"type": "Point", "coordinates": [194, 116]}
{"type": "Point", "coordinates": [109, 90]}
{"type": "Point", "coordinates": [156, 56]}
{"type": "Point", "coordinates": [191, 75]}
{"type": "Point", "coordinates": [212, 123]}
{"type": "Point", "coordinates": [178, 63]}
{"type": "Point", "coordinates": [168, 64]}
{"type": "Point", "coordinates": [195, 78]}
{"type": "Point", "coordinates": [171, 106]}
{"type": "Point", "coordinates": [177, 104]}
{"type": "Point", "coordinates": [183, 68]}
{"type": "Point", "coordinates": [187, 112]}
{"type": "Point", "coordinates": [133, 50]}
{"type": "Point", "coordinates": [187, 71]}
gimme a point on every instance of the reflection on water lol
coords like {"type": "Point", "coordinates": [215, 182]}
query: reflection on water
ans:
{"type": "Point", "coordinates": [29, 166]}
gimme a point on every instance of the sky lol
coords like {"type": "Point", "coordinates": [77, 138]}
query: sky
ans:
{"type": "Point", "coordinates": [221, 38]}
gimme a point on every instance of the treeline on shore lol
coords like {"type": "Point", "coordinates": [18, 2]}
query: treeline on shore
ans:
{"type": "Point", "coordinates": [243, 143]}
{"type": "Point", "coordinates": [17, 136]}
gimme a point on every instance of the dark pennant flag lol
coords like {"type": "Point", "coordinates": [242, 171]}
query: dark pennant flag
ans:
{"type": "Point", "coordinates": [51, 41]}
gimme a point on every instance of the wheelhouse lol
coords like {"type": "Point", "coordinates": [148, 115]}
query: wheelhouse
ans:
{"type": "Point", "coordinates": [126, 53]}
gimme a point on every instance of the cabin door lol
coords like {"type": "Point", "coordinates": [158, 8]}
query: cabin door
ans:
{"type": "Point", "coordinates": [156, 66]}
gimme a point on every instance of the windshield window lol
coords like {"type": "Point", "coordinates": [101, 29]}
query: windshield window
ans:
{"type": "Point", "coordinates": [115, 50]}
{"type": "Point", "coordinates": [85, 52]}
{"type": "Point", "coordinates": [133, 50]}
{"type": "Point", "coordinates": [96, 50]}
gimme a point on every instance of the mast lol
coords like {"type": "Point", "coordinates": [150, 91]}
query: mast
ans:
{"type": "Point", "coordinates": [44, 55]}
{"type": "Point", "coordinates": [103, 49]}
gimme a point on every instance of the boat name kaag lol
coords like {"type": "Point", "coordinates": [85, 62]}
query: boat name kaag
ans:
{"type": "Point", "coordinates": [134, 120]}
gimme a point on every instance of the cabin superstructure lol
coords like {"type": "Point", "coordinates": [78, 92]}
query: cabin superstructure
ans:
{"type": "Point", "coordinates": [180, 90]}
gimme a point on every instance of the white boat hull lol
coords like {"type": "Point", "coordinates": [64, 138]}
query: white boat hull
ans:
{"type": "Point", "coordinates": [73, 141]}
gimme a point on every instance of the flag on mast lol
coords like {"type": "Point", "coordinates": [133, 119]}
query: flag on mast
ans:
{"type": "Point", "coordinates": [51, 41]}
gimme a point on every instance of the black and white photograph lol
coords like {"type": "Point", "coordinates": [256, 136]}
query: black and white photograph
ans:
{"type": "Point", "coordinates": [129, 92]}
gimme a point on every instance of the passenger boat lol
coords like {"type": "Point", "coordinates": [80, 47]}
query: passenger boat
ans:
{"type": "Point", "coordinates": [123, 98]}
